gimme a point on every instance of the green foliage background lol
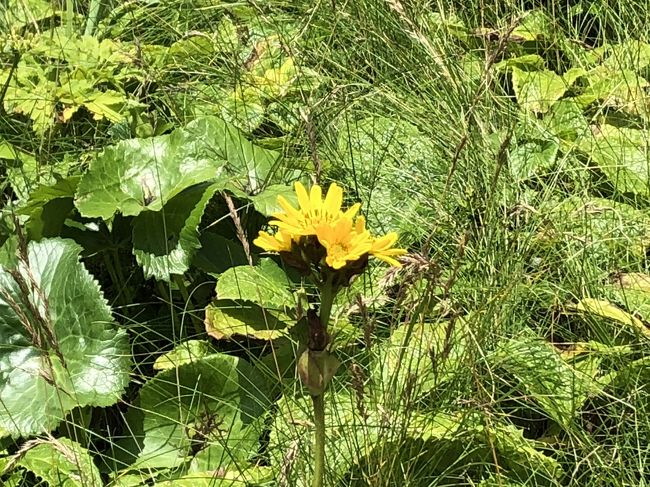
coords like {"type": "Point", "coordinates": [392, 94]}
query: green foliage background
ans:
{"type": "Point", "coordinates": [144, 340]}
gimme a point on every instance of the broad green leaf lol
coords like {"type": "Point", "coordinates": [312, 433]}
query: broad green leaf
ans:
{"type": "Point", "coordinates": [210, 408]}
{"type": "Point", "coordinates": [249, 164]}
{"type": "Point", "coordinates": [605, 309]}
{"type": "Point", "coordinates": [7, 150]}
{"type": "Point", "coordinates": [244, 108]}
{"type": "Point", "coordinates": [361, 434]}
{"type": "Point", "coordinates": [165, 241]}
{"type": "Point", "coordinates": [632, 290]}
{"type": "Point", "coordinates": [528, 62]}
{"type": "Point", "coordinates": [61, 462]}
{"type": "Point", "coordinates": [226, 318]}
{"type": "Point", "coordinates": [532, 158]}
{"type": "Point", "coordinates": [144, 174]}
{"type": "Point", "coordinates": [385, 157]}
{"type": "Point", "coordinates": [60, 347]}
{"type": "Point", "coordinates": [538, 369]}
{"type": "Point", "coordinates": [185, 353]}
{"type": "Point", "coordinates": [629, 54]}
{"type": "Point", "coordinates": [537, 91]}
{"type": "Point", "coordinates": [265, 284]}
{"type": "Point", "coordinates": [15, 14]}
{"type": "Point", "coordinates": [422, 356]}
{"type": "Point", "coordinates": [622, 155]}
{"type": "Point", "coordinates": [349, 436]}
{"type": "Point", "coordinates": [36, 101]}
{"type": "Point", "coordinates": [159, 168]}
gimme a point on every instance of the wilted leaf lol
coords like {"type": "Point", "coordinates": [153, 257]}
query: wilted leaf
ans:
{"type": "Point", "coordinates": [60, 348]}
{"type": "Point", "coordinates": [605, 309]}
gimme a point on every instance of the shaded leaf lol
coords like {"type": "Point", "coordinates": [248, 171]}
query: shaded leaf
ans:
{"type": "Point", "coordinates": [165, 241]}
{"type": "Point", "coordinates": [212, 404]}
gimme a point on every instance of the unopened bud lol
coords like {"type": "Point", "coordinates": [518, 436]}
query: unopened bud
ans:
{"type": "Point", "coordinates": [316, 369]}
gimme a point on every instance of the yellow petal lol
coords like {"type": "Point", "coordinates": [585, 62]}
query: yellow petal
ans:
{"type": "Point", "coordinates": [316, 197]}
{"type": "Point", "coordinates": [333, 200]}
{"type": "Point", "coordinates": [303, 197]}
{"type": "Point", "coordinates": [352, 211]}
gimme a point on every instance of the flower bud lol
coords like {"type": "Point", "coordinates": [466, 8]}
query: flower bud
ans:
{"type": "Point", "coordinates": [316, 369]}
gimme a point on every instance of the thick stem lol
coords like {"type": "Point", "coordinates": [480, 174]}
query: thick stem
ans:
{"type": "Point", "coordinates": [319, 446]}
{"type": "Point", "coordinates": [327, 294]}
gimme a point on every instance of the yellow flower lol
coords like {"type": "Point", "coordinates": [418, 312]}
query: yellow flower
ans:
{"type": "Point", "coordinates": [280, 242]}
{"type": "Point", "coordinates": [382, 249]}
{"type": "Point", "coordinates": [313, 210]}
{"type": "Point", "coordinates": [343, 243]}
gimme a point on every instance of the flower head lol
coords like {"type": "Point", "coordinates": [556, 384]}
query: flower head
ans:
{"type": "Point", "coordinates": [313, 210]}
{"type": "Point", "coordinates": [343, 243]}
{"type": "Point", "coordinates": [319, 233]}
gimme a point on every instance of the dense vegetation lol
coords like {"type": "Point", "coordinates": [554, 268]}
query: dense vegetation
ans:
{"type": "Point", "coordinates": [144, 338]}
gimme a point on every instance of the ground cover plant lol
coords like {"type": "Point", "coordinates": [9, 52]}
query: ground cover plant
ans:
{"type": "Point", "coordinates": [157, 327]}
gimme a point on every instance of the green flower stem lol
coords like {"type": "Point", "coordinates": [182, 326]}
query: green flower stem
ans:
{"type": "Point", "coordinates": [319, 445]}
{"type": "Point", "coordinates": [327, 295]}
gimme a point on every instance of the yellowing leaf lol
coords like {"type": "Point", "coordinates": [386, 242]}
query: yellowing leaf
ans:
{"type": "Point", "coordinates": [606, 309]}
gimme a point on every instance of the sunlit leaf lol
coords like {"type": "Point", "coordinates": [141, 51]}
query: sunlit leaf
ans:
{"type": "Point", "coordinates": [61, 462]}
{"type": "Point", "coordinates": [60, 346]}
{"type": "Point", "coordinates": [226, 318]}
{"type": "Point", "coordinates": [265, 284]}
